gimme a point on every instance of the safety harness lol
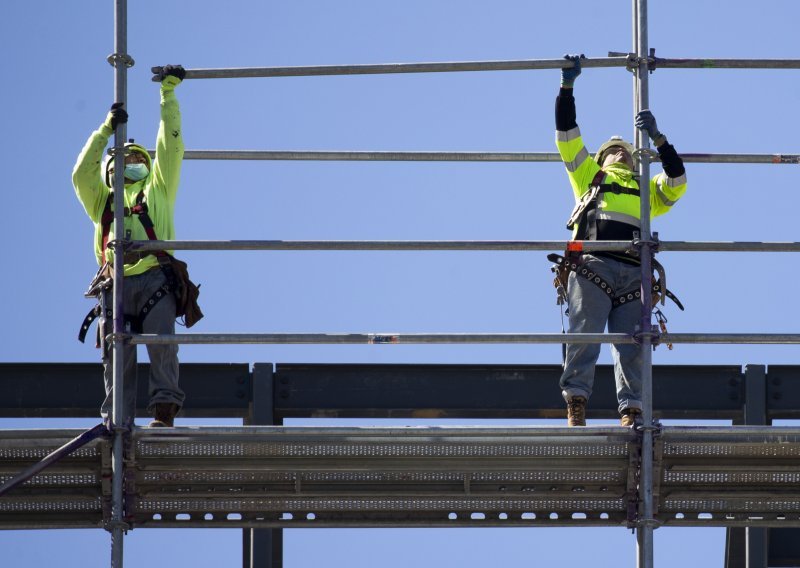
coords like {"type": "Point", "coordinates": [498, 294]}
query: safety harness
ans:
{"type": "Point", "coordinates": [103, 280]}
{"type": "Point", "coordinates": [584, 217]}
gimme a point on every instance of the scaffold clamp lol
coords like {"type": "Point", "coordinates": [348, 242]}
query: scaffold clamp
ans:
{"type": "Point", "coordinates": [116, 58]}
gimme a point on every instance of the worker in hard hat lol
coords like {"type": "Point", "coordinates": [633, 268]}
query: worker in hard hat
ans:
{"type": "Point", "coordinates": [148, 299]}
{"type": "Point", "coordinates": [601, 284]}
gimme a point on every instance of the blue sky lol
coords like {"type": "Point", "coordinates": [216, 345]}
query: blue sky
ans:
{"type": "Point", "coordinates": [58, 88]}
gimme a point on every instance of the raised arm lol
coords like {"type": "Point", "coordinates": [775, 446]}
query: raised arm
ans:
{"type": "Point", "coordinates": [670, 185]}
{"type": "Point", "coordinates": [169, 143]}
{"type": "Point", "coordinates": [87, 177]}
{"type": "Point", "coordinates": [581, 168]}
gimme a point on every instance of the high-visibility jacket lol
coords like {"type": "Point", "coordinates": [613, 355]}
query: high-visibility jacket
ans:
{"type": "Point", "coordinates": [617, 214]}
{"type": "Point", "coordinates": [160, 187]}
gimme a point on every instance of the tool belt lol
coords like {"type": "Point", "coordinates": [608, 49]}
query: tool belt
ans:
{"type": "Point", "coordinates": [177, 283]}
{"type": "Point", "coordinates": [573, 262]}
{"type": "Point", "coordinates": [176, 272]}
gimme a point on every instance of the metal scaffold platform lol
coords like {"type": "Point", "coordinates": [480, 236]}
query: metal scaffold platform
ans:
{"type": "Point", "coordinates": [284, 477]}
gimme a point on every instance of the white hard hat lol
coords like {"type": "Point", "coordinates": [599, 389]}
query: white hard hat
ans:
{"type": "Point", "coordinates": [613, 141]}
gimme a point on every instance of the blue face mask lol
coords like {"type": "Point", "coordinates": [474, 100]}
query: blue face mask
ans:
{"type": "Point", "coordinates": [136, 172]}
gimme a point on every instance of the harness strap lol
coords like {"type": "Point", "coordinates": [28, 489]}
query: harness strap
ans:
{"type": "Point", "coordinates": [574, 264]}
{"type": "Point", "coordinates": [584, 215]}
{"type": "Point", "coordinates": [136, 322]}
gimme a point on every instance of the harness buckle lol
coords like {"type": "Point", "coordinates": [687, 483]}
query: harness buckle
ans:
{"type": "Point", "coordinates": [662, 324]}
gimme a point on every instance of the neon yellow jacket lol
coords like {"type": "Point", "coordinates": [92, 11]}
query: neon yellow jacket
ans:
{"type": "Point", "coordinates": [160, 186]}
{"type": "Point", "coordinates": [612, 208]}
{"type": "Point", "coordinates": [581, 169]}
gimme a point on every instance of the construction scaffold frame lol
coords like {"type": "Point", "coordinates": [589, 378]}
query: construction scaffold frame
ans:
{"type": "Point", "coordinates": [641, 61]}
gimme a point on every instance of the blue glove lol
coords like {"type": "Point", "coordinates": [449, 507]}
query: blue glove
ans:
{"type": "Point", "coordinates": [647, 122]}
{"type": "Point", "coordinates": [569, 74]}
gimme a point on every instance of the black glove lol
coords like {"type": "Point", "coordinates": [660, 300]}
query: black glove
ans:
{"type": "Point", "coordinates": [161, 73]}
{"type": "Point", "coordinates": [117, 115]}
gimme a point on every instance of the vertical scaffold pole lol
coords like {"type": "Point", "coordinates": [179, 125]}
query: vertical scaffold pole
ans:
{"type": "Point", "coordinates": [120, 60]}
{"type": "Point", "coordinates": [646, 520]}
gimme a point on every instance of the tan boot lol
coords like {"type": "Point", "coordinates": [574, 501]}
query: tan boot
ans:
{"type": "Point", "coordinates": [576, 411]}
{"type": "Point", "coordinates": [164, 413]}
{"type": "Point", "coordinates": [630, 417]}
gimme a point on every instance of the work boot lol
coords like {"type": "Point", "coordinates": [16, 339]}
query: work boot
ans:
{"type": "Point", "coordinates": [630, 417]}
{"type": "Point", "coordinates": [164, 413]}
{"type": "Point", "coordinates": [576, 411]}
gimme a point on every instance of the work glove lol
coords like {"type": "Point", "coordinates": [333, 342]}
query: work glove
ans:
{"type": "Point", "coordinates": [170, 76]}
{"type": "Point", "coordinates": [647, 122]}
{"type": "Point", "coordinates": [117, 115]}
{"type": "Point", "coordinates": [569, 74]}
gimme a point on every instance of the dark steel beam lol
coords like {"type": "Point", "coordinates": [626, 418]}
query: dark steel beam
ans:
{"type": "Point", "coordinates": [447, 391]}
{"type": "Point", "coordinates": [263, 547]}
{"type": "Point", "coordinates": [75, 390]}
{"type": "Point", "coordinates": [490, 391]}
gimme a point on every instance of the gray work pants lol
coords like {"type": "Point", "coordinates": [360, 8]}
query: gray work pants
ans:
{"type": "Point", "coordinates": [137, 290]}
{"type": "Point", "coordinates": [589, 312]}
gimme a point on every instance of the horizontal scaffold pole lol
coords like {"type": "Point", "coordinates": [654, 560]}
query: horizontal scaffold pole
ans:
{"type": "Point", "coordinates": [462, 66]}
{"type": "Point", "coordinates": [455, 338]}
{"type": "Point", "coordinates": [393, 68]}
{"type": "Point", "coordinates": [392, 156]}
{"type": "Point", "coordinates": [678, 246]}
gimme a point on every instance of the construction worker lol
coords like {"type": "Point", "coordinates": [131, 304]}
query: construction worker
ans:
{"type": "Point", "coordinates": [607, 195]}
{"type": "Point", "coordinates": [147, 299]}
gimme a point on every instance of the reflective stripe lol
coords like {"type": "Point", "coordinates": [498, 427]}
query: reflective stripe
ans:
{"type": "Point", "coordinates": [621, 217]}
{"type": "Point", "coordinates": [571, 134]}
{"type": "Point", "coordinates": [675, 182]}
{"type": "Point", "coordinates": [582, 156]}
{"type": "Point", "coordinates": [662, 196]}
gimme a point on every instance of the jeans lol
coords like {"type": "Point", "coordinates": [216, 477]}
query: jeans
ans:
{"type": "Point", "coordinates": [163, 358]}
{"type": "Point", "coordinates": [589, 311]}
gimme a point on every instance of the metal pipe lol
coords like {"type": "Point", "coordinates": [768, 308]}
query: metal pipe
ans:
{"type": "Point", "coordinates": [120, 61]}
{"type": "Point", "coordinates": [461, 66]}
{"type": "Point", "coordinates": [455, 338]}
{"type": "Point", "coordinates": [393, 68]}
{"type": "Point", "coordinates": [645, 527]}
{"type": "Point", "coordinates": [274, 245]}
{"type": "Point", "coordinates": [400, 156]}
{"type": "Point", "coordinates": [671, 63]}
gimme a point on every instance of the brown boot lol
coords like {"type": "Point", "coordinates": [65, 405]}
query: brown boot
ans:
{"type": "Point", "coordinates": [576, 411]}
{"type": "Point", "coordinates": [630, 417]}
{"type": "Point", "coordinates": [164, 413]}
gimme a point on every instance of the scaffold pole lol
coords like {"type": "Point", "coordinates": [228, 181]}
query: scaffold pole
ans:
{"type": "Point", "coordinates": [466, 66]}
{"type": "Point", "coordinates": [277, 245]}
{"type": "Point", "coordinates": [400, 156]}
{"type": "Point", "coordinates": [454, 338]}
{"type": "Point", "coordinates": [120, 61]}
{"type": "Point", "coordinates": [644, 529]}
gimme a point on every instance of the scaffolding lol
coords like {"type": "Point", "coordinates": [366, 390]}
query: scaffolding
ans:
{"type": "Point", "coordinates": [624, 484]}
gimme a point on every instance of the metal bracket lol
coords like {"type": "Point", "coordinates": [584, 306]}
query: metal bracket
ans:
{"type": "Point", "coordinates": [110, 525]}
{"type": "Point", "coordinates": [633, 61]}
{"type": "Point", "coordinates": [112, 151]}
{"type": "Point", "coordinates": [642, 523]}
{"type": "Point", "coordinates": [116, 58]}
{"type": "Point", "coordinates": [651, 154]}
{"type": "Point", "coordinates": [122, 337]}
{"type": "Point", "coordinates": [124, 243]}
{"type": "Point", "coordinates": [640, 243]}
